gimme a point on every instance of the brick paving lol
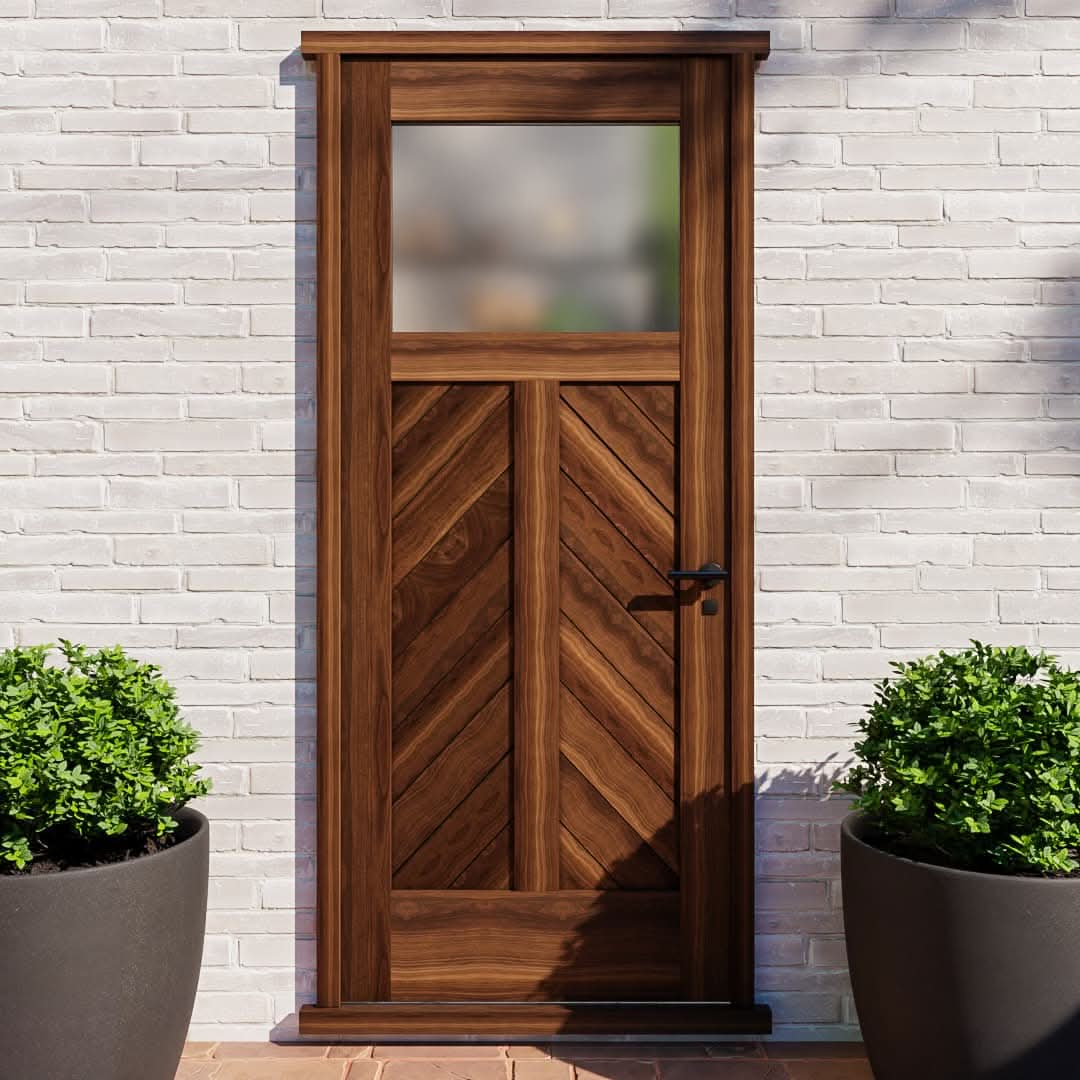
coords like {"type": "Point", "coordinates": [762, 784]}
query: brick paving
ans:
{"type": "Point", "coordinates": [561, 1061]}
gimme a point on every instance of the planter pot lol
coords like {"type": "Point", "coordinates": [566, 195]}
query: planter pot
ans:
{"type": "Point", "coordinates": [99, 966]}
{"type": "Point", "coordinates": [960, 975]}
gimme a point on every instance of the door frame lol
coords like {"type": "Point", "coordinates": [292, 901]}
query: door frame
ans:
{"type": "Point", "coordinates": [705, 82]}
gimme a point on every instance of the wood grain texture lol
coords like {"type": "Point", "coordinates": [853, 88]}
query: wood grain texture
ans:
{"type": "Point", "coordinates": [451, 776]}
{"type": "Point", "coordinates": [617, 635]}
{"type": "Point", "coordinates": [451, 635]}
{"type": "Point", "coordinates": [536, 636]}
{"type": "Point", "coordinates": [609, 696]}
{"type": "Point", "coordinates": [433, 441]}
{"type": "Point", "coordinates": [329, 539]}
{"type": "Point", "coordinates": [410, 402]}
{"type": "Point", "coordinates": [510, 1020]}
{"type": "Point", "coordinates": [629, 435]}
{"type": "Point", "coordinates": [465, 547]}
{"type": "Point", "coordinates": [617, 642]}
{"type": "Point", "coordinates": [422, 734]}
{"type": "Point", "coordinates": [535, 91]}
{"type": "Point", "coordinates": [365, 495]}
{"type": "Point", "coordinates": [617, 564]}
{"type": "Point", "coordinates": [704, 464]}
{"type": "Point", "coordinates": [446, 357]}
{"type": "Point", "coordinates": [618, 778]}
{"type": "Point", "coordinates": [477, 463]}
{"type": "Point", "coordinates": [622, 498]}
{"type": "Point", "coordinates": [452, 699]}
{"type": "Point", "coordinates": [461, 836]}
{"type": "Point", "coordinates": [741, 532]}
{"type": "Point", "coordinates": [534, 946]}
{"type": "Point", "coordinates": [493, 868]}
{"type": "Point", "coordinates": [579, 869]}
{"type": "Point", "coordinates": [534, 43]}
{"type": "Point", "coordinates": [658, 403]}
{"type": "Point", "coordinates": [626, 862]}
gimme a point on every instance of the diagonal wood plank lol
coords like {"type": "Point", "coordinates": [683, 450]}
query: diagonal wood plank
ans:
{"type": "Point", "coordinates": [453, 632]}
{"type": "Point", "coordinates": [617, 635]}
{"type": "Point", "coordinates": [423, 733]}
{"type": "Point", "coordinates": [623, 784]}
{"type": "Point", "coordinates": [626, 432]}
{"type": "Point", "coordinates": [438, 436]}
{"type": "Point", "coordinates": [462, 836]}
{"type": "Point", "coordinates": [435, 580]}
{"type": "Point", "coordinates": [620, 495]}
{"type": "Point", "coordinates": [465, 477]}
{"type": "Point", "coordinates": [579, 869]}
{"type": "Point", "coordinates": [410, 402]}
{"type": "Point", "coordinates": [492, 868]}
{"type": "Point", "coordinates": [617, 564]}
{"type": "Point", "coordinates": [658, 402]}
{"type": "Point", "coordinates": [606, 835]}
{"type": "Point", "coordinates": [618, 706]}
{"type": "Point", "coordinates": [450, 776]}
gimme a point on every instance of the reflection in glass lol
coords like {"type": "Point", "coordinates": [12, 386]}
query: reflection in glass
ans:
{"type": "Point", "coordinates": [536, 227]}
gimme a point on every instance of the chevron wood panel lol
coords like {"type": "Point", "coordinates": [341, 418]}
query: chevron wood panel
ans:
{"type": "Point", "coordinates": [618, 637]}
{"type": "Point", "coordinates": [452, 496]}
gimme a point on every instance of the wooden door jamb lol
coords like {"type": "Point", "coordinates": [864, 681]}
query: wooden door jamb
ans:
{"type": "Point", "coordinates": [353, 437]}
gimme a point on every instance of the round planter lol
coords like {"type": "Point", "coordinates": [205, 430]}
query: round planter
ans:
{"type": "Point", "coordinates": [99, 965]}
{"type": "Point", "coordinates": [960, 975]}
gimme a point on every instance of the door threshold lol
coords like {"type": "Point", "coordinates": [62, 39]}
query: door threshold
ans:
{"type": "Point", "coordinates": [527, 1020]}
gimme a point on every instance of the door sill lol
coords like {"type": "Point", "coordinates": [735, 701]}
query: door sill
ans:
{"type": "Point", "coordinates": [513, 1020]}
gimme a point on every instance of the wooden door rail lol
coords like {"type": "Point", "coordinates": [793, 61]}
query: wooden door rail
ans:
{"type": "Point", "coordinates": [514, 357]}
{"type": "Point", "coordinates": [631, 89]}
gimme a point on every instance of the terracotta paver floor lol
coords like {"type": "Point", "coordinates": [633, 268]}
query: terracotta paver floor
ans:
{"type": "Point", "coordinates": [541, 1061]}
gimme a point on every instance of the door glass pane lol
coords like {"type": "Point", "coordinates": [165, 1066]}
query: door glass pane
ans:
{"type": "Point", "coordinates": [533, 227]}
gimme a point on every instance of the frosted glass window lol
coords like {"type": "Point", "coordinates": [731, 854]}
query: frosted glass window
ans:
{"type": "Point", "coordinates": [534, 227]}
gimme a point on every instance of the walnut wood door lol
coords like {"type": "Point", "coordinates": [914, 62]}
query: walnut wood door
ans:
{"type": "Point", "coordinates": [535, 783]}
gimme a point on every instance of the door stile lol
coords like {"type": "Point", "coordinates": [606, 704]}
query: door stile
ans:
{"type": "Point", "coordinates": [366, 522]}
{"type": "Point", "coordinates": [536, 636]}
{"type": "Point", "coordinates": [703, 715]}
{"type": "Point", "coordinates": [741, 536]}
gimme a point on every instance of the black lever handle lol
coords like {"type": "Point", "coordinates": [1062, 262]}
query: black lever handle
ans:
{"type": "Point", "coordinates": [708, 574]}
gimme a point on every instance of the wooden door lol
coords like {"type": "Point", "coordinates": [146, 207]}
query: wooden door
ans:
{"type": "Point", "coordinates": [535, 745]}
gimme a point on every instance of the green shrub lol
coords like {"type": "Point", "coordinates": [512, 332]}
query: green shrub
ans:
{"type": "Point", "coordinates": [973, 760]}
{"type": "Point", "coordinates": [93, 757]}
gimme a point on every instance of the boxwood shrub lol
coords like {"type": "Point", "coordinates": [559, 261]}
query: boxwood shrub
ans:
{"type": "Point", "coordinates": [972, 760]}
{"type": "Point", "coordinates": [93, 757]}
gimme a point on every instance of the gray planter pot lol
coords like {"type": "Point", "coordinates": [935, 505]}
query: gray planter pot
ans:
{"type": "Point", "coordinates": [98, 967]}
{"type": "Point", "coordinates": [960, 975]}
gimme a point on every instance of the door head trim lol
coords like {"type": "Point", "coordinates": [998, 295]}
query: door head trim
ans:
{"type": "Point", "coordinates": [387, 43]}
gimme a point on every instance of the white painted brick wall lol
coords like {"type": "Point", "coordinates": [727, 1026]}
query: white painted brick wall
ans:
{"type": "Point", "coordinates": [919, 317]}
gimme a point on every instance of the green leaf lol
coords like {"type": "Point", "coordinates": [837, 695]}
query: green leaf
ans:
{"type": "Point", "coordinates": [90, 749]}
{"type": "Point", "coordinates": [973, 758]}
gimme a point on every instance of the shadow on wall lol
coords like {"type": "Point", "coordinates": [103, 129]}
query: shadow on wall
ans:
{"type": "Point", "coordinates": [295, 73]}
{"type": "Point", "coordinates": [1044, 332]}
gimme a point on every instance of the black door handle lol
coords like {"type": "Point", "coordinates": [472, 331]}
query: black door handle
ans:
{"type": "Point", "coordinates": [708, 574]}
